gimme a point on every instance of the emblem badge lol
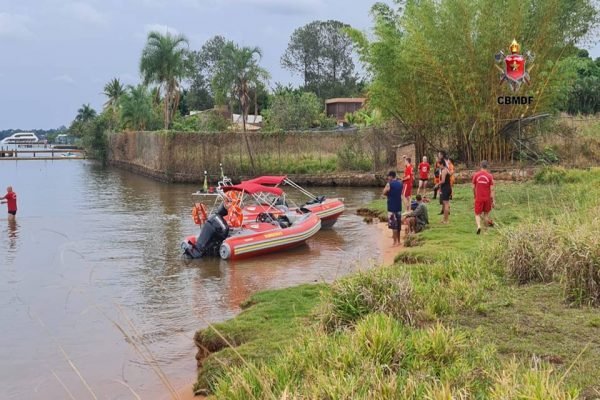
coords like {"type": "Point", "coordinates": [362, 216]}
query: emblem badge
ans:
{"type": "Point", "coordinates": [515, 71]}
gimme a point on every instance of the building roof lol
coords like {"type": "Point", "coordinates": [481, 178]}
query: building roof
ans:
{"type": "Point", "coordinates": [251, 119]}
{"type": "Point", "coordinates": [346, 100]}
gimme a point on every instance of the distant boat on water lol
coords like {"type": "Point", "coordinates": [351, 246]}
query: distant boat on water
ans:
{"type": "Point", "coordinates": [21, 138]}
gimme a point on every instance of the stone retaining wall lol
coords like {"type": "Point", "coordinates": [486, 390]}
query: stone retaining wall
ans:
{"type": "Point", "coordinates": [183, 157]}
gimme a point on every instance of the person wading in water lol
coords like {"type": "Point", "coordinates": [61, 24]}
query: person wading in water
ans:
{"type": "Point", "coordinates": [11, 199]}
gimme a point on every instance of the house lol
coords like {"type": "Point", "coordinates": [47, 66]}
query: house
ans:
{"type": "Point", "coordinates": [253, 123]}
{"type": "Point", "coordinates": [339, 107]}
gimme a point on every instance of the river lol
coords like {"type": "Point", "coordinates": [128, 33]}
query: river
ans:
{"type": "Point", "coordinates": [94, 291]}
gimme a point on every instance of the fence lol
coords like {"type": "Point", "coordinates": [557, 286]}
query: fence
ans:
{"type": "Point", "coordinates": [184, 156]}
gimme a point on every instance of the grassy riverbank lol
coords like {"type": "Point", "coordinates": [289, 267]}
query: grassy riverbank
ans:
{"type": "Point", "coordinates": [458, 316]}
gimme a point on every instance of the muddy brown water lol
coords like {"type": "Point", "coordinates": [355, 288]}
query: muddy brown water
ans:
{"type": "Point", "coordinates": [95, 251]}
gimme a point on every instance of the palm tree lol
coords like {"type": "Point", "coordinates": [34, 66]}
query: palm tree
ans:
{"type": "Point", "coordinates": [85, 113]}
{"type": "Point", "coordinates": [164, 63]}
{"type": "Point", "coordinates": [136, 107]}
{"type": "Point", "coordinates": [113, 90]}
{"type": "Point", "coordinates": [238, 73]}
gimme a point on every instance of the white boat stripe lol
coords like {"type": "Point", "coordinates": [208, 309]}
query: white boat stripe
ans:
{"type": "Point", "coordinates": [247, 248]}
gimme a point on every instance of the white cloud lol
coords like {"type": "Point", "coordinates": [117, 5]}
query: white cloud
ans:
{"type": "Point", "coordinates": [164, 29]}
{"type": "Point", "coordinates": [14, 26]}
{"type": "Point", "coordinates": [64, 78]}
{"type": "Point", "coordinates": [86, 13]}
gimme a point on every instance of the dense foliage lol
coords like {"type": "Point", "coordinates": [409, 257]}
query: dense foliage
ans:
{"type": "Point", "coordinates": [321, 52]}
{"type": "Point", "coordinates": [164, 63]}
{"type": "Point", "coordinates": [294, 110]}
{"type": "Point", "coordinates": [432, 67]}
{"type": "Point", "coordinates": [584, 96]}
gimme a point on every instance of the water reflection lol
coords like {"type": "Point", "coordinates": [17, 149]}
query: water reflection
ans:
{"type": "Point", "coordinates": [12, 237]}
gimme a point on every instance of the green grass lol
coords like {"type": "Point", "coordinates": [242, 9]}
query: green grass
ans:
{"type": "Point", "coordinates": [311, 164]}
{"type": "Point", "coordinates": [515, 202]}
{"type": "Point", "coordinates": [535, 321]}
{"type": "Point", "coordinates": [448, 320]}
{"type": "Point", "coordinates": [270, 320]}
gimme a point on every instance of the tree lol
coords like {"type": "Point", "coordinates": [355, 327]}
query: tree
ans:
{"type": "Point", "coordinates": [432, 67]}
{"type": "Point", "coordinates": [164, 63]}
{"type": "Point", "coordinates": [202, 65]}
{"type": "Point", "coordinates": [137, 108]}
{"type": "Point", "coordinates": [293, 110]}
{"type": "Point", "coordinates": [199, 95]}
{"type": "Point", "coordinates": [94, 138]}
{"type": "Point", "coordinates": [85, 113]}
{"type": "Point", "coordinates": [210, 55]}
{"type": "Point", "coordinates": [321, 52]}
{"type": "Point", "coordinates": [113, 90]}
{"type": "Point", "coordinates": [584, 95]}
{"type": "Point", "coordinates": [237, 73]}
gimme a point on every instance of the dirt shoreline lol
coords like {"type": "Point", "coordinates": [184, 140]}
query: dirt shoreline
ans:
{"type": "Point", "coordinates": [388, 251]}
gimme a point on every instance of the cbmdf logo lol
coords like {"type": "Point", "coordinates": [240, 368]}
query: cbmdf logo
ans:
{"type": "Point", "coordinates": [514, 70]}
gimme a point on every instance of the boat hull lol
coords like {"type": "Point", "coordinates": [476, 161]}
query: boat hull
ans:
{"type": "Point", "coordinates": [257, 239]}
{"type": "Point", "coordinates": [329, 211]}
{"type": "Point", "coordinates": [269, 241]}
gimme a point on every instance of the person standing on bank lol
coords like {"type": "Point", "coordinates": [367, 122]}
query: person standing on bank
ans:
{"type": "Point", "coordinates": [407, 181]}
{"type": "Point", "coordinates": [445, 190]}
{"type": "Point", "coordinates": [424, 169]}
{"type": "Point", "coordinates": [393, 192]}
{"type": "Point", "coordinates": [483, 192]}
{"type": "Point", "coordinates": [11, 199]}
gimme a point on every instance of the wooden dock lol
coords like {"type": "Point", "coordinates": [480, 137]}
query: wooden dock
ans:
{"type": "Point", "coordinates": [41, 154]}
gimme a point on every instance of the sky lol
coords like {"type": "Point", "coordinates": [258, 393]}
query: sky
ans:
{"type": "Point", "coordinates": [57, 55]}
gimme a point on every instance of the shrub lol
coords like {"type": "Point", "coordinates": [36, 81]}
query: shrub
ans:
{"type": "Point", "coordinates": [558, 176]}
{"type": "Point", "coordinates": [531, 252]}
{"type": "Point", "coordinates": [582, 260]}
{"type": "Point", "coordinates": [538, 382]}
{"type": "Point", "coordinates": [568, 252]}
{"type": "Point", "coordinates": [351, 157]}
{"type": "Point", "coordinates": [385, 290]}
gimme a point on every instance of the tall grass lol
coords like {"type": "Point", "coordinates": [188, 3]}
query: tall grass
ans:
{"type": "Point", "coordinates": [386, 290]}
{"type": "Point", "coordinates": [382, 358]}
{"type": "Point", "coordinates": [564, 247]}
{"type": "Point", "coordinates": [567, 251]}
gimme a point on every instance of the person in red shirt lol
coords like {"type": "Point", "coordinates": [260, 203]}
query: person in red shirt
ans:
{"type": "Point", "coordinates": [483, 191]}
{"type": "Point", "coordinates": [424, 169]}
{"type": "Point", "coordinates": [408, 179]}
{"type": "Point", "coordinates": [11, 199]}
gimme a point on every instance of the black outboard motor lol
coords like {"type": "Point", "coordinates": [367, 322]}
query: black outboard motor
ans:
{"type": "Point", "coordinates": [212, 234]}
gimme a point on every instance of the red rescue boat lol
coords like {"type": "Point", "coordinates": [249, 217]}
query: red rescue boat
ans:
{"type": "Point", "coordinates": [329, 210]}
{"type": "Point", "coordinates": [232, 235]}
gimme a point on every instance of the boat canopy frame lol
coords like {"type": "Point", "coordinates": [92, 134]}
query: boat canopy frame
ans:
{"type": "Point", "coordinates": [276, 181]}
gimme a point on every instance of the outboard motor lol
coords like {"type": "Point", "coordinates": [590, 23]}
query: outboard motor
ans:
{"type": "Point", "coordinates": [212, 234]}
